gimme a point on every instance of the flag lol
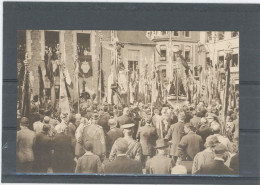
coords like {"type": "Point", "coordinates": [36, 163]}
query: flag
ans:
{"type": "Point", "coordinates": [76, 83]}
{"type": "Point", "coordinates": [85, 66]}
{"type": "Point", "coordinates": [63, 99]}
{"type": "Point", "coordinates": [41, 84]}
{"type": "Point", "coordinates": [26, 103]}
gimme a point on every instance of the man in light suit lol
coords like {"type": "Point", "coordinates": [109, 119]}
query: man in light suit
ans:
{"type": "Point", "coordinates": [123, 164]}
{"type": "Point", "coordinates": [24, 147]}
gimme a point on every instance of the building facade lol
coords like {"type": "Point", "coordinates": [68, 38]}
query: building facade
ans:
{"type": "Point", "coordinates": [212, 49]}
{"type": "Point", "coordinates": [168, 43]}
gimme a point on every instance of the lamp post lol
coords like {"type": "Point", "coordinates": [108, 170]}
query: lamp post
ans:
{"type": "Point", "coordinates": [228, 57]}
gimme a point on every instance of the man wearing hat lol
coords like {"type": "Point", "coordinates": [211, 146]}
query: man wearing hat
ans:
{"type": "Point", "coordinates": [160, 164]}
{"type": "Point", "coordinates": [122, 163]}
{"type": "Point", "coordinates": [112, 135]}
{"type": "Point", "coordinates": [134, 147]}
{"type": "Point", "coordinates": [43, 147]}
{"type": "Point", "coordinates": [217, 166]}
{"type": "Point", "coordinates": [95, 134]}
{"type": "Point", "coordinates": [25, 144]}
{"type": "Point", "coordinates": [206, 155]}
{"type": "Point", "coordinates": [147, 135]}
{"type": "Point", "coordinates": [175, 133]}
{"type": "Point", "coordinates": [190, 144]}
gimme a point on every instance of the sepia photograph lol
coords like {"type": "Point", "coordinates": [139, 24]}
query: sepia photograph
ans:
{"type": "Point", "coordinates": [127, 102]}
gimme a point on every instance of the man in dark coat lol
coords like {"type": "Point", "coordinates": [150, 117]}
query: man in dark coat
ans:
{"type": "Point", "coordinates": [125, 118]}
{"type": "Point", "coordinates": [43, 147]}
{"type": "Point", "coordinates": [148, 136]}
{"type": "Point", "coordinates": [175, 133]}
{"type": "Point", "coordinates": [203, 129]}
{"type": "Point", "coordinates": [63, 156]}
{"type": "Point", "coordinates": [160, 164]}
{"type": "Point", "coordinates": [217, 166]}
{"type": "Point", "coordinates": [113, 134]}
{"type": "Point", "coordinates": [122, 164]}
{"type": "Point", "coordinates": [190, 144]}
{"type": "Point", "coordinates": [103, 119]}
{"type": "Point", "coordinates": [24, 147]}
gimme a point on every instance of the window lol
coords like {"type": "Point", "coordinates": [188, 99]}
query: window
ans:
{"type": "Point", "coordinates": [163, 53]}
{"type": "Point", "coordinates": [83, 44]}
{"type": "Point", "coordinates": [234, 34]}
{"type": "Point", "coordinates": [176, 33]}
{"type": "Point", "coordinates": [175, 48]}
{"type": "Point", "coordinates": [164, 73]}
{"type": "Point", "coordinates": [187, 53]}
{"type": "Point", "coordinates": [209, 36]}
{"type": "Point", "coordinates": [221, 35]}
{"type": "Point", "coordinates": [21, 45]}
{"type": "Point", "coordinates": [187, 56]}
{"type": "Point", "coordinates": [221, 61]}
{"type": "Point", "coordinates": [52, 44]}
{"type": "Point", "coordinates": [187, 34]}
{"type": "Point", "coordinates": [133, 57]}
{"type": "Point", "coordinates": [234, 62]}
{"type": "Point", "coordinates": [163, 33]}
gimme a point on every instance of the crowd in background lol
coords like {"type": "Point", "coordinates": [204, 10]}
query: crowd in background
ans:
{"type": "Point", "coordinates": [135, 139]}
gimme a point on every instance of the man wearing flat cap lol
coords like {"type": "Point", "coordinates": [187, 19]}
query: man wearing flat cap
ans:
{"type": "Point", "coordinates": [122, 163]}
{"type": "Point", "coordinates": [147, 136]}
{"type": "Point", "coordinates": [95, 134]}
{"type": "Point", "coordinates": [160, 164]}
{"type": "Point", "coordinates": [134, 147]}
{"type": "Point", "coordinates": [217, 166]}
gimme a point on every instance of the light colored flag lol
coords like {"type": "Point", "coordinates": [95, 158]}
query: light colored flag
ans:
{"type": "Point", "coordinates": [63, 99]}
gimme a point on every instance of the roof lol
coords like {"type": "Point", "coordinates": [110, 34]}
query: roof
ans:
{"type": "Point", "coordinates": [134, 37]}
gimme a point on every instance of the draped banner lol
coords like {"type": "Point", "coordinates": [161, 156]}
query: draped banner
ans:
{"type": "Point", "coordinates": [63, 99]}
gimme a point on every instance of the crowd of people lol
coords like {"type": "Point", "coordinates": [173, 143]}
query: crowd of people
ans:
{"type": "Point", "coordinates": [135, 139]}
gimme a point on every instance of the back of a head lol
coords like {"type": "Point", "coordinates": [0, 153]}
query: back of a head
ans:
{"type": "Point", "coordinates": [181, 116]}
{"type": "Point", "coordinates": [112, 122]}
{"type": "Point", "coordinates": [179, 169]}
{"type": "Point", "coordinates": [24, 122]}
{"type": "Point", "coordinates": [216, 129]}
{"type": "Point", "coordinates": [121, 145]}
{"type": "Point", "coordinates": [88, 146]}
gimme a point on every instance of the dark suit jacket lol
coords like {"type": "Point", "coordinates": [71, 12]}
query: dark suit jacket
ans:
{"type": "Point", "coordinates": [122, 120]}
{"type": "Point", "coordinates": [43, 146]}
{"type": "Point", "coordinates": [175, 133]}
{"type": "Point", "coordinates": [148, 136]}
{"type": "Point", "coordinates": [215, 167]}
{"type": "Point", "coordinates": [63, 157]}
{"type": "Point", "coordinates": [123, 164]}
{"type": "Point", "coordinates": [103, 121]}
{"type": "Point", "coordinates": [190, 145]}
{"type": "Point", "coordinates": [112, 135]}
